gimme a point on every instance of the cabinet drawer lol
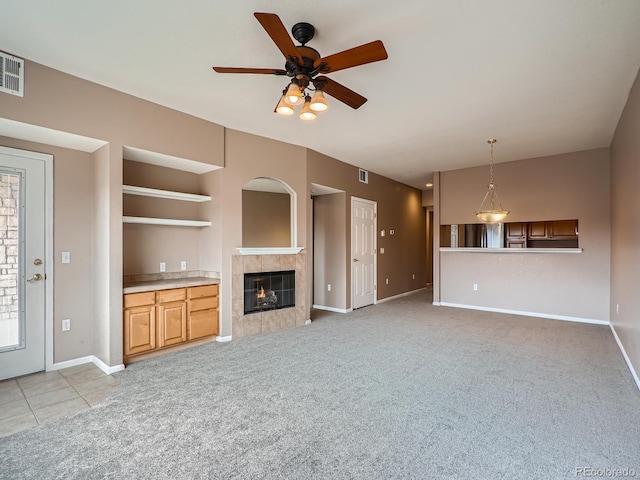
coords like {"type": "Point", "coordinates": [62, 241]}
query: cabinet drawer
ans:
{"type": "Point", "coordinates": [138, 299]}
{"type": "Point", "coordinates": [203, 291]}
{"type": "Point", "coordinates": [203, 324]}
{"type": "Point", "coordinates": [205, 303]}
{"type": "Point", "coordinates": [175, 295]}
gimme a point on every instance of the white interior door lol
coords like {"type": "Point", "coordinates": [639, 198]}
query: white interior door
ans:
{"type": "Point", "coordinates": [22, 262]}
{"type": "Point", "coordinates": [363, 252]}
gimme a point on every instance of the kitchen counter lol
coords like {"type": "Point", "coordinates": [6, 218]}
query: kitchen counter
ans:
{"type": "Point", "coordinates": [150, 284]}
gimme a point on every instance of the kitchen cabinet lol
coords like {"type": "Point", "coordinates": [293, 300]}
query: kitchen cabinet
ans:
{"type": "Point", "coordinates": [160, 319]}
{"type": "Point", "coordinates": [516, 235]}
{"type": "Point", "coordinates": [139, 323]}
{"type": "Point", "coordinates": [203, 311]}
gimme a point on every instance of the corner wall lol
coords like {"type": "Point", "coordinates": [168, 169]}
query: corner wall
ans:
{"type": "Point", "coordinates": [625, 229]}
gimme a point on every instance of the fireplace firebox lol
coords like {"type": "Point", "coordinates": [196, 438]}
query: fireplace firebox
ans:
{"type": "Point", "coordinates": [269, 291]}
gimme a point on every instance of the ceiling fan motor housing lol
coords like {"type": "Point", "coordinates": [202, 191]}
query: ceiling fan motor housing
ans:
{"type": "Point", "coordinates": [303, 32]}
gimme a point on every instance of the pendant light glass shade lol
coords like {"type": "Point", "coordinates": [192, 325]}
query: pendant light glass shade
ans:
{"type": "Point", "coordinates": [318, 102]}
{"type": "Point", "coordinates": [491, 210]}
{"type": "Point", "coordinates": [306, 113]}
{"type": "Point", "coordinates": [293, 95]}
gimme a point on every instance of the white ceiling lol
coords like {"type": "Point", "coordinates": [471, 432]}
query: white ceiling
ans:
{"type": "Point", "coordinates": [541, 76]}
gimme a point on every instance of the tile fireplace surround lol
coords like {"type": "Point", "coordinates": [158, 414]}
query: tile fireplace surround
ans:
{"type": "Point", "coordinates": [272, 320]}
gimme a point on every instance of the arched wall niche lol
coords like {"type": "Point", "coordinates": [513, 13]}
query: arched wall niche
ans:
{"type": "Point", "coordinates": [268, 214]}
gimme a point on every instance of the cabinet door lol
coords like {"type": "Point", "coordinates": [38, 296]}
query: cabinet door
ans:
{"type": "Point", "coordinates": [538, 230]}
{"type": "Point", "coordinates": [172, 323]}
{"type": "Point", "coordinates": [139, 329]}
{"type": "Point", "coordinates": [203, 323]}
{"type": "Point", "coordinates": [563, 229]}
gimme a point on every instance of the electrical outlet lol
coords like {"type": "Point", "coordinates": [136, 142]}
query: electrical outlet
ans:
{"type": "Point", "coordinates": [66, 324]}
{"type": "Point", "coordinates": [392, 232]}
{"type": "Point", "coordinates": [328, 287]}
{"type": "Point", "coordinates": [386, 281]}
{"type": "Point", "coordinates": [617, 309]}
{"type": "Point", "coordinates": [183, 265]}
{"type": "Point", "coordinates": [414, 276]}
{"type": "Point", "coordinates": [381, 250]}
{"type": "Point", "coordinates": [475, 287]}
{"type": "Point", "coordinates": [163, 267]}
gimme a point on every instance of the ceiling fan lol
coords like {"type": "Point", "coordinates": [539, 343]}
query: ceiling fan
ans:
{"type": "Point", "coordinates": [306, 67]}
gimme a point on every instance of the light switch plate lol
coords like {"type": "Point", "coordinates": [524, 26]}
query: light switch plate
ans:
{"type": "Point", "coordinates": [66, 257]}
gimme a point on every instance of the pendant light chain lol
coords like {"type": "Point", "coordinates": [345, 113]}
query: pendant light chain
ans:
{"type": "Point", "coordinates": [491, 142]}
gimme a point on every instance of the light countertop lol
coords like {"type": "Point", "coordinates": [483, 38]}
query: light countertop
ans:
{"type": "Point", "coordinates": [166, 283]}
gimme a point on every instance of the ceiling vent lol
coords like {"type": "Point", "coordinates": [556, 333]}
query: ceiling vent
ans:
{"type": "Point", "coordinates": [11, 74]}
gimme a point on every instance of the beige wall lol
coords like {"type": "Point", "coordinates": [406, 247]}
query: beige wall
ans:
{"type": "Point", "coordinates": [625, 231]}
{"type": "Point", "coordinates": [574, 185]}
{"type": "Point", "coordinates": [266, 219]}
{"type": "Point", "coordinates": [330, 251]}
{"type": "Point", "coordinates": [73, 208]}
{"type": "Point", "coordinates": [247, 157]}
{"type": "Point", "coordinates": [63, 103]}
{"type": "Point", "coordinates": [399, 208]}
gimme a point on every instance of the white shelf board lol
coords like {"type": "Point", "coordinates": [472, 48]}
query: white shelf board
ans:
{"type": "Point", "coordinates": [166, 221]}
{"type": "Point", "coordinates": [153, 192]}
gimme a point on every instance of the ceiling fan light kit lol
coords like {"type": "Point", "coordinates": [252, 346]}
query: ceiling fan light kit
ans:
{"type": "Point", "coordinates": [305, 64]}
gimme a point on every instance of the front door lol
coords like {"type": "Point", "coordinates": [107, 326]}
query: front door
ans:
{"type": "Point", "coordinates": [363, 252]}
{"type": "Point", "coordinates": [22, 262]}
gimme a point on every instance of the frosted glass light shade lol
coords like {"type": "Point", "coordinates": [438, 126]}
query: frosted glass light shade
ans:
{"type": "Point", "coordinates": [306, 113]}
{"type": "Point", "coordinates": [492, 216]}
{"type": "Point", "coordinates": [284, 108]}
{"type": "Point", "coordinates": [293, 95]}
{"type": "Point", "coordinates": [318, 102]}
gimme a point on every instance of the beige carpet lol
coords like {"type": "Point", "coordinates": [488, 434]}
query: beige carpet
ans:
{"type": "Point", "coordinates": [398, 390]}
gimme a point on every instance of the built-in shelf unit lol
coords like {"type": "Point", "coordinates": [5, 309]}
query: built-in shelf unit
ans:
{"type": "Point", "coordinates": [169, 195]}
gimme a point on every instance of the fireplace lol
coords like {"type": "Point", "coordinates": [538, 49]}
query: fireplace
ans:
{"type": "Point", "coordinates": [269, 291]}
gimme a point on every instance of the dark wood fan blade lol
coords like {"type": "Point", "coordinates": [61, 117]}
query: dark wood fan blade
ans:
{"type": "Point", "coordinates": [266, 71]}
{"type": "Point", "coordinates": [278, 33]}
{"type": "Point", "coordinates": [342, 93]}
{"type": "Point", "coordinates": [367, 53]}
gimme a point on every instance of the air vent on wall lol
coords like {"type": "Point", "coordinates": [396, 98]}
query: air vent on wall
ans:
{"type": "Point", "coordinates": [11, 74]}
{"type": "Point", "coordinates": [363, 176]}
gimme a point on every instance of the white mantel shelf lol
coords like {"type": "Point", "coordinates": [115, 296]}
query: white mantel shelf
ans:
{"type": "Point", "coordinates": [270, 251]}
{"type": "Point", "coordinates": [511, 250]}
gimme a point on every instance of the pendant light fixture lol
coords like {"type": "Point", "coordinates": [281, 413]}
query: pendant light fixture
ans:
{"type": "Point", "coordinates": [489, 213]}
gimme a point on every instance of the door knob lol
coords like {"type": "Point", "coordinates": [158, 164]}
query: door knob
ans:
{"type": "Point", "coordinates": [356, 260]}
{"type": "Point", "coordinates": [37, 261]}
{"type": "Point", "coordinates": [35, 278]}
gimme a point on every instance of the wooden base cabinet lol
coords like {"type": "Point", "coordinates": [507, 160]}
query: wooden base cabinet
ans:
{"type": "Point", "coordinates": [172, 316]}
{"type": "Point", "coordinates": [203, 311]}
{"type": "Point", "coordinates": [139, 323]}
{"type": "Point", "coordinates": [164, 318]}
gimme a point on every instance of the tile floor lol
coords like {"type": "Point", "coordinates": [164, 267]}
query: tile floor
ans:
{"type": "Point", "coordinates": [41, 397]}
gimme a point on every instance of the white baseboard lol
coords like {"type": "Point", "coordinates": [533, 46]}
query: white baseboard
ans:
{"type": "Point", "coordinates": [88, 359]}
{"type": "Point", "coordinates": [526, 314]}
{"type": "Point", "coordinates": [400, 295]}
{"type": "Point", "coordinates": [626, 357]}
{"type": "Point", "coordinates": [332, 309]}
{"type": "Point", "coordinates": [437, 304]}
{"type": "Point", "coordinates": [227, 338]}
{"type": "Point", "coordinates": [307, 321]}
